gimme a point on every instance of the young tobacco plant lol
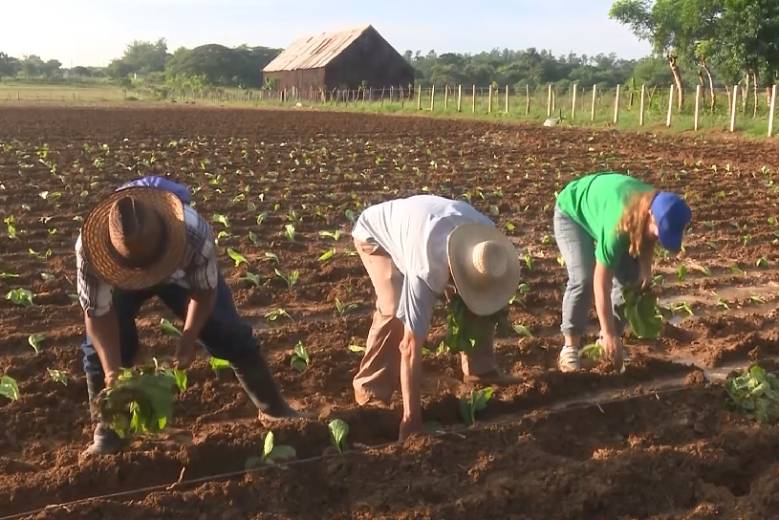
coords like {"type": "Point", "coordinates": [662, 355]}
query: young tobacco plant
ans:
{"type": "Point", "coordinates": [35, 341]}
{"type": "Point", "coordinates": [640, 310]}
{"type": "Point", "coordinates": [8, 388]}
{"type": "Point", "coordinates": [755, 392]}
{"type": "Point", "coordinates": [339, 430]}
{"type": "Point", "coordinates": [58, 376]}
{"type": "Point", "coordinates": [475, 402]}
{"type": "Point", "coordinates": [271, 453]}
{"type": "Point", "coordinates": [300, 359]}
{"type": "Point", "coordinates": [289, 232]}
{"type": "Point", "coordinates": [21, 297]}
{"type": "Point", "coordinates": [218, 364]}
{"type": "Point", "coordinates": [344, 308]}
{"type": "Point", "coordinates": [290, 279]}
{"type": "Point", "coordinates": [236, 257]}
{"type": "Point", "coordinates": [169, 329]}
{"type": "Point", "coordinates": [462, 335]}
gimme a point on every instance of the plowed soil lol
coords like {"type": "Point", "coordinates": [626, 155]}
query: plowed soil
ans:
{"type": "Point", "coordinates": [658, 441]}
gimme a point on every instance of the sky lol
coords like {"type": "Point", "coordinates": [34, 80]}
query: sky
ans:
{"type": "Point", "coordinates": [93, 32]}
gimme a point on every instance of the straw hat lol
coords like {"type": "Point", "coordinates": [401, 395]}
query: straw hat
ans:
{"type": "Point", "coordinates": [135, 238]}
{"type": "Point", "coordinates": [485, 267]}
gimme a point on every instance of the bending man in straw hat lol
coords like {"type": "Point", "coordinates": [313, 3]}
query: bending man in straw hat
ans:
{"type": "Point", "coordinates": [143, 241]}
{"type": "Point", "coordinates": [411, 249]}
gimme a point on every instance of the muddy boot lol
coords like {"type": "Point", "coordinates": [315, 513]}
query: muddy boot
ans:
{"type": "Point", "coordinates": [256, 379]}
{"type": "Point", "coordinates": [105, 441]}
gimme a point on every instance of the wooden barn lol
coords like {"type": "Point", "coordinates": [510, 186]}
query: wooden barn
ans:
{"type": "Point", "coordinates": [345, 59]}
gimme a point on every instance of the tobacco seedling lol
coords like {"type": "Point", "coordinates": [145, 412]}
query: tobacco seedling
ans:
{"type": "Point", "coordinates": [169, 329]}
{"type": "Point", "coordinates": [58, 376]}
{"type": "Point", "coordinates": [35, 341]}
{"type": "Point", "coordinates": [593, 352]}
{"type": "Point", "coordinates": [4, 276]}
{"type": "Point", "coordinates": [8, 388]}
{"type": "Point", "coordinates": [681, 272]}
{"type": "Point", "coordinates": [334, 235]}
{"type": "Point", "coordinates": [339, 430]}
{"type": "Point", "coordinates": [236, 257]}
{"type": "Point", "coordinates": [252, 278]}
{"type": "Point", "coordinates": [289, 232]}
{"type": "Point", "coordinates": [221, 219]}
{"type": "Point", "coordinates": [253, 238]}
{"type": "Point", "coordinates": [327, 255]}
{"type": "Point", "coordinates": [475, 402]}
{"type": "Point", "coordinates": [343, 308]}
{"type": "Point", "coordinates": [357, 349]}
{"type": "Point", "coordinates": [40, 256]}
{"type": "Point", "coordinates": [290, 279]}
{"type": "Point", "coordinates": [276, 314]}
{"type": "Point", "coordinates": [21, 297]}
{"type": "Point", "coordinates": [683, 306]}
{"type": "Point", "coordinates": [272, 452]}
{"type": "Point", "coordinates": [642, 313]}
{"type": "Point", "coordinates": [299, 360]}
{"type": "Point", "coordinates": [528, 261]}
{"type": "Point", "coordinates": [522, 330]}
{"type": "Point", "coordinates": [261, 217]}
{"type": "Point", "coordinates": [756, 393]}
{"type": "Point", "coordinates": [218, 364]}
{"type": "Point", "coordinates": [10, 226]}
{"type": "Point", "coordinates": [271, 257]}
{"type": "Point", "coordinates": [147, 393]}
{"type": "Point", "coordinates": [761, 262]}
{"type": "Point", "coordinates": [461, 335]}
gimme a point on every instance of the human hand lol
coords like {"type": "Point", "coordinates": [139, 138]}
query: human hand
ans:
{"type": "Point", "coordinates": [185, 351]}
{"type": "Point", "coordinates": [613, 350]}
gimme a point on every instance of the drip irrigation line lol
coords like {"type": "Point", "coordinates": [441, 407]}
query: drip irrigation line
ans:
{"type": "Point", "coordinates": [457, 431]}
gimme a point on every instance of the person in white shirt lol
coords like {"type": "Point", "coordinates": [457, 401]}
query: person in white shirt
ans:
{"type": "Point", "coordinates": [413, 249]}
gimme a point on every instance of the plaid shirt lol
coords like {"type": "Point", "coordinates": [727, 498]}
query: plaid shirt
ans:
{"type": "Point", "coordinates": [198, 271]}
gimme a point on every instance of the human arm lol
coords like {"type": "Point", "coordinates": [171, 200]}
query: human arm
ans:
{"type": "Point", "coordinates": [602, 285]}
{"type": "Point", "coordinates": [199, 309]}
{"type": "Point", "coordinates": [103, 330]}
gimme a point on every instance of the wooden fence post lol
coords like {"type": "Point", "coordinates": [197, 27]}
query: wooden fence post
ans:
{"type": "Point", "coordinates": [573, 102]}
{"type": "Point", "coordinates": [772, 109]}
{"type": "Point", "coordinates": [594, 96]}
{"type": "Point", "coordinates": [527, 99]}
{"type": "Point", "coordinates": [489, 99]}
{"type": "Point", "coordinates": [733, 109]}
{"type": "Point", "coordinates": [446, 97]}
{"type": "Point", "coordinates": [507, 99]}
{"type": "Point", "coordinates": [641, 106]}
{"type": "Point", "coordinates": [549, 100]}
{"type": "Point", "coordinates": [616, 105]}
{"type": "Point", "coordinates": [697, 106]}
{"type": "Point", "coordinates": [473, 100]}
{"type": "Point", "coordinates": [670, 106]}
{"type": "Point", "coordinates": [432, 98]}
{"type": "Point", "coordinates": [419, 97]}
{"type": "Point", "coordinates": [459, 98]}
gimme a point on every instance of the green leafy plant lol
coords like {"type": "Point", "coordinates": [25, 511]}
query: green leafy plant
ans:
{"type": "Point", "coordinates": [289, 232]}
{"type": "Point", "coordinates": [290, 279]}
{"type": "Point", "coordinates": [357, 349]}
{"type": "Point", "coordinates": [8, 388]}
{"type": "Point", "coordinates": [141, 401]}
{"type": "Point", "coordinates": [253, 238]}
{"type": "Point", "coordinates": [522, 330]}
{"type": "Point", "coordinates": [5, 276]}
{"type": "Point", "coordinates": [21, 297]}
{"type": "Point", "coordinates": [221, 219]}
{"type": "Point", "coordinates": [462, 335]}
{"type": "Point", "coordinates": [528, 259]}
{"type": "Point", "coordinates": [36, 341]}
{"type": "Point", "coordinates": [299, 360]}
{"type": "Point", "coordinates": [641, 312]}
{"type": "Point", "coordinates": [681, 272]}
{"type": "Point", "coordinates": [169, 329]}
{"type": "Point", "coordinates": [261, 217]}
{"type": "Point", "coordinates": [10, 226]}
{"type": "Point", "coordinates": [218, 364]}
{"type": "Point", "coordinates": [327, 255]}
{"type": "Point", "coordinates": [343, 308]}
{"type": "Point", "coordinates": [756, 393]}
{"type": "Point", "coordinates": [761, 262]}
{"type": "Point", "coordinates": [275, 314]}
{"type": "Point", "coordinates": [339, 430]}
{"type": "Point", "coordinates": [683, 306]}
{"type": "Point", "coordinates": [58, 376]}
{"type": "Point", "coordinates": [251, 278]}
{"type": "Point", "coordinates": [334, 235]}
{"type": "Point", "coordinates": [272, 452]}
{"type": "Point", "coordinates": [40, 256]}
{"type": "Point", "coordinates": [475, 402]}
{"type": "Point", "coordinates": [236, 257]}
{"type": "Point", "coordinates": [593, 352]}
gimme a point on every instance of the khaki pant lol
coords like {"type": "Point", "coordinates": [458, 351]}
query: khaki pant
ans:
{"type": "Point", "coordinates": [379, 374]}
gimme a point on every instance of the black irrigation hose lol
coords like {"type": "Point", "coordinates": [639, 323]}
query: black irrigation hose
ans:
{"type": "Point", "coordinates": [457, 431]}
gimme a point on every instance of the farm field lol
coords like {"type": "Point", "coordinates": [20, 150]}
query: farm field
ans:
{"type": "Point", "coordinates": [658, 441]}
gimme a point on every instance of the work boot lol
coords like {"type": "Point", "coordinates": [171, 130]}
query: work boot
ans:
{"type": "Point", "coordinates": [257, 381]}
{"type": "Point", "coordinates": [105, 441]}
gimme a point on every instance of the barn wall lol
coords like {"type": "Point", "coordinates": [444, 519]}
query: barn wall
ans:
{"type": "Point", "coordinates": [371, 59]}
{"type": "Point", "coordinates": [303, 80]}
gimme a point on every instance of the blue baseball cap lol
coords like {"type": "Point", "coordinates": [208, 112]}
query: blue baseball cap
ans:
{"type": "Point", "coordinates": [672, 215]}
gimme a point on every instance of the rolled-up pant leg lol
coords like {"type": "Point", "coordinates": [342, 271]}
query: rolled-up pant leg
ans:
{"type": "Point", "coordinates": [578, 250]}
{"type": "Point", "coordinates": [379, 374]}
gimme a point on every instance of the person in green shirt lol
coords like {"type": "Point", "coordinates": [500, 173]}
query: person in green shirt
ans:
{"type": "Point", "coordinates": [606, 225]}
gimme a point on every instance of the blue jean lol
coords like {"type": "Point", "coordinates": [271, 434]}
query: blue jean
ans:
{"type": "Point", "coordinates": [577, 248]}
{"type": "Point", "coordinates": [225, 335]}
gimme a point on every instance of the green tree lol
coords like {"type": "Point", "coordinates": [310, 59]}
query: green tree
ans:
{"type": "Point", "coordinates": [32, 66]}
{"type": "Point", "coordinates": [9, 66]}
{"type": "Point", "coordinates": [140, 57]}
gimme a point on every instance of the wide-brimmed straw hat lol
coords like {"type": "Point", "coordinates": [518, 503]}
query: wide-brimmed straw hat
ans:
{"type": "Point", "coordinates": [485, 267]}
{"type": "Point", "coordinates": [135, 238]}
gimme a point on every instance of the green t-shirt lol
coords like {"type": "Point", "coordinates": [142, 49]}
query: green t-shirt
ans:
{"type": "Point", "coordinates": [596, 203]}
